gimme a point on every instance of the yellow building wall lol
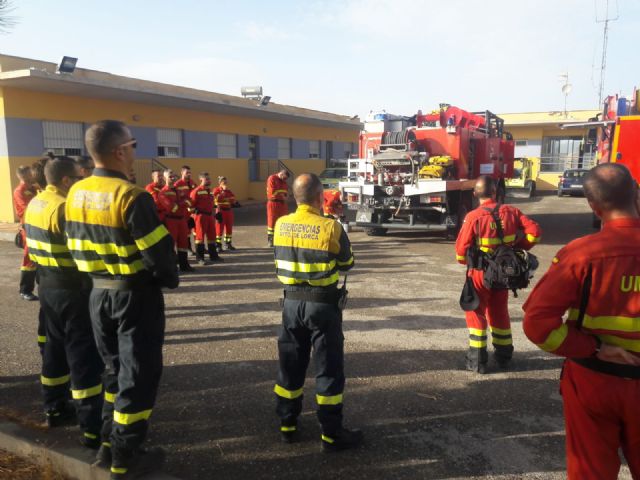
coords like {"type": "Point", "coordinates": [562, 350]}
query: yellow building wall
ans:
{"type": "Point", "coordinates": [47, 106]}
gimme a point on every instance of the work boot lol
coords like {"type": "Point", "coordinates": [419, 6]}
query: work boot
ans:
{"type": "Point", "coordinates": [103, 457]}
{"type": "Point", "coordinates": [219, 246]}
{"type": "Point", "coordinates": [183, 261]}
{"type": "Point", "coordinates": [473, 365]}
{"type": "Point", "coordinates": [269, 240]}
{"type": "Point", "coordinates": [289, 433]}
{"type": "Point", "coordinates": [229, 246]}
{"type": "Point", "coordinates": [62, 415]}
{"type": "Point", "coordinates": [140, 463]}
{"type": "Point", "coordinates": [213, 253]}
{"type": "Point", "coordinates": [29, 296]}
{"type": "Point", "coordinates": [502, 355]}
{"type": "Point", "coordinates": [200, 254]}
{"type": "Point", "coordinates": [342, 440]}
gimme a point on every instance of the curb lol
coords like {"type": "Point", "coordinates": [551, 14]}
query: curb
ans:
{"type": "Point", "coordinates": [74, 462]}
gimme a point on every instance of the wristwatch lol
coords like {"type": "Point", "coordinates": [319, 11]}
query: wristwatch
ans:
{"type": "Point", "coordinates": [598, 345]}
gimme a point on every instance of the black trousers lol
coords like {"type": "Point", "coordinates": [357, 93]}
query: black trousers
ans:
{"type": "Point", "coordinates": [70, 354]}
{"type": "Point", "coordinates": [27, 281]}
{"type": "Point", "coordinates": [307, 325]}
{"type": "Point", "coordinates": [129, 331]}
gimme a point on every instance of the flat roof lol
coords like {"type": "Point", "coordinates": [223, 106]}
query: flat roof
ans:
{"type": "Point", "coordinates": [29, 74]}
{"type": "Point", "coordinates": [547, 118]}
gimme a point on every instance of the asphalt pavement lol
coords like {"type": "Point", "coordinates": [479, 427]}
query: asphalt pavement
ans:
{"type": "Point", "coordinates": [423, 415]}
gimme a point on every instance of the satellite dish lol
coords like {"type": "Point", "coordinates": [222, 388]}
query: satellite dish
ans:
{"type": "Point", "coordinates": [566, 88]}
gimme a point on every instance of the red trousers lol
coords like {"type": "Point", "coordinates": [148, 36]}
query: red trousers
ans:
{"type": "Point", "coordinates": [225, 226]}
{"type": "Point", "coordinates": [204, 227]}
{"type": "Point", "coordinates": [601, 415]}
{"type": "Point", "coordinates": [492, 311]}
{"type": "Point", "coordinates": [179, 232]}
{"type": "Point", "coordinates": [275, 210]}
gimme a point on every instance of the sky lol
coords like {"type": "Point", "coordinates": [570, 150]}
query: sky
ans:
{"type": "Point", "coordinates": [348, 56]}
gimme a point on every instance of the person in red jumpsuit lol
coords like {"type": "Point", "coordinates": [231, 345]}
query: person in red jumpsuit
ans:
{"type": "Point", "coordinates": [175, 209]}
{"type": "Point", "coordinates": [184, 185]}
{"type": "Point", "coordinates": [202, 201]}
{"type": "Point", "coordinates": [225, 200]}
{"type": "Point", "coordinates": [595, 280]}
{"type": "Point", "coordinates": [479, 229]}
{"type": "Point", "coordinates": [22, 195]}
{"type": "Point", "coordinates": [332, 204]}
{"type": "Point", "coordinates": [157, 182]}
{"type": "Point", "coordinates": [277, 193]}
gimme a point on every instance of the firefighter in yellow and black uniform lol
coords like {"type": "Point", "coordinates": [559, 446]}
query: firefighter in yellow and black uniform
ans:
{"type": "Point", "coordinates": [310, 250]}
{"type": "Point", "coordinates": [70, 355]}
{"type": "Point", "coordinates": [115, 235]}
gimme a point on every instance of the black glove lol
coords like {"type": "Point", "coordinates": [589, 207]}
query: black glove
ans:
{"type": "Point", "coordinates": [218, 217]}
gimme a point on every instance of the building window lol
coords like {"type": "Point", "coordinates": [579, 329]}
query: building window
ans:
{"type": "Point", "coordinates": [561, 153]}
{"type": "Point", "coordinates": [521, 143]}
{"type": "Point", "coordinates": [284, 148]}
{"type": "Point", "coordinates": [314, 149]}
{"type": "Point", "coordinates": [63, 138]}
{"type": "Point", "coordinates": [227, 145]}
{"type": "Point", "coordinates": [169, 142]}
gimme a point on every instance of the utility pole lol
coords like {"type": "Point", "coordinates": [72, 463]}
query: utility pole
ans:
{"type": "Point", "coordinates": [605, 41]}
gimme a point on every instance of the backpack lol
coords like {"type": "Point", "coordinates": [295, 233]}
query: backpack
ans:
{"type": "Point", "coordinates": [506, 267]}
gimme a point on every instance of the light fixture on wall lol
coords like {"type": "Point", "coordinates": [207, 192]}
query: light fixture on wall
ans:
{"type": "Point", "coordinates": [264, 101]}
{"type": "Point", "coordinates": [67, 65]}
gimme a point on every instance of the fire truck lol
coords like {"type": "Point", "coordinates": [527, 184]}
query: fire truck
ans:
{"type": "Point", "coordinates": [418, 173]}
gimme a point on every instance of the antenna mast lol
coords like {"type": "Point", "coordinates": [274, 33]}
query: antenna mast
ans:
{"type": "Point", "coordinates": [605, 41]}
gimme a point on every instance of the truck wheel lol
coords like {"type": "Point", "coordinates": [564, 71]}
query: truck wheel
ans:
{"type": "Point", "coordinates": [530, 189]}
{"type": "Point", "coordinates": [376, 231]}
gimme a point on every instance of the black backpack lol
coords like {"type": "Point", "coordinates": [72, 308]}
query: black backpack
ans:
{"type": "Point", "coordinates": [506, 267]}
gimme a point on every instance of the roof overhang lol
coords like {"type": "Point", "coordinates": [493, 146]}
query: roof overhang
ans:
{"type": "Point", "coordinates": [159, 94]}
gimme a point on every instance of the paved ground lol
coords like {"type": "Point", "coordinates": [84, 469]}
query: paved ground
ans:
{"type": "Point", "coordinates": [423, 415]}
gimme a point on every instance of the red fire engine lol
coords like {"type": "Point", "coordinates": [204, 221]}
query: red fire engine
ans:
{"type": "Point", "coordinates": [418, 172]}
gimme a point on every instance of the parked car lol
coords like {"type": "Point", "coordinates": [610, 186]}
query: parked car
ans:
{"type": "Point", "coordinates": [571, 182]}
{"type": "Point", "coordinates": [330, 177]}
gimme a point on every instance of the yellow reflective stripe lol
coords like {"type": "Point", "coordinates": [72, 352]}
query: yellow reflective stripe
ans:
{"type": "Point", "coordinates": [202, 192]}
{"type": "Point", "coordinates": [486, 249]}
{"type": "Point", "coordinates": [276, 192]}
{"type": "Point", "coordinates": [27, 269]}
{"type": "Point", "coordinates": [109, 397]}
{"type": "Point", "coordinates": [54, 382]}
{"type": "Point", "coordinates": [323, 282]}
{"type": "Point", "coordinates": [344, 264]}
{"type": "Point", "coordinates": [152, 238]}
{"type": "Point", "coordinates": [606, 322]}
{"type": "Point", "coordinates": [500, 331]}
{"type": "Point", "coordinates": [331, 400]}
{"type": "Point", "coordinates": [112, 268]}
{"type": "Point", "coordinates": [477, 343]}
{"type": "Point", "coordinates": [461, 257]}
{"type": "Point", "coordinates": [305, 267]}
{"type": "Point", "coordinates": [555, 260]}
{"type": "Point", "coordinates": [47, 247]}
{"type": "Point", "coordinates": [629, 344]}
{"type": "Point", "coordinates": [86, 392]}
{"type": "Point", "coordinates": [287, 429]}
{"type": "Point", "coordinates": [129, 418]}
{"type": "Point", "coordinates": [51, 261]}
{"type": "Point", "coordinates": [555, 338]}
{"type": "Point", "coordinates": [284, 393]}
{"type": "Point", "coordinates": [90, 435]}
{"type": "Point", "coordinates": [118, 470]}
{"type": "Point", "coordinates": [532, 239]}
{"type": "Point", "coordinates": [495, 241]}
{"type": "Point", "coordinates": [107, 444]}
{"type": "Point", "coordinates": [477, 332]}
{"type": "Point", "coordinates": [42, 339]}
{"type": "Point", "coordinates": [101, 248]}
{"type": "Point", "coordinates": [327, 439]}
{"type": "Point", "coordinates": [501, 341]}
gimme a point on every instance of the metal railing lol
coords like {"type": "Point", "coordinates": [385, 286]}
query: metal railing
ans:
{"type": "Point", "coordinates": [560, 163]}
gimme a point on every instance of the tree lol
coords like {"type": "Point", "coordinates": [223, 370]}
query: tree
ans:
{"type": "Point", "coordinates": [6, 19]}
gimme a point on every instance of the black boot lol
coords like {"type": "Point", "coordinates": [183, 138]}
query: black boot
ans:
{"type": "Point", "coordinates": [342, 440]}
{"type": "Point", "coordinates": [219, 246]}
{"type": "Point", "coordinates": [103, 457]}
{"type": "Point", "coordinates": [137, 464]}
{"type": "Point", "coordinates": [270, 240]}
{"type": "Point", "coordinates": [213, 253]}
{"type": "Point", "coordinates": [183, 261]}
{"type": "Point", "coordinates": [200, 254]}
{"type": "Point", "coordinates": [289, 433]}
{"type": "Point", "coordinates": [503, 355]}
{"type": "Point", "coordinates": [62, 415]}
{"type": "Point", "coordinates": [229, 246]}
{"type": "Point", "coordinates": [476, 360]}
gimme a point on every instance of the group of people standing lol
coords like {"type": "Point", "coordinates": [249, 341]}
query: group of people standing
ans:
{"type": "Point", "coordinates": [184, 205]}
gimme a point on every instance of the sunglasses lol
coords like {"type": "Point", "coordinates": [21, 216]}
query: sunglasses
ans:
{"type": "Point", "coordinates": [132, 142]}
